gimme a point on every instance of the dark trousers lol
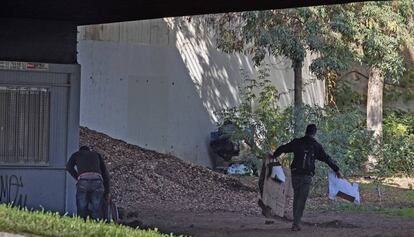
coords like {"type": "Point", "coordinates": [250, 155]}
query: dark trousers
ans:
{"type": "Point", "coordinates": [301, 185]}
{"type": "Point", "coordinates": [89, 194]}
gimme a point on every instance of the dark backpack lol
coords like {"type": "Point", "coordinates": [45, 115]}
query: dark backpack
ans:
{"type": "Point", "coordinates": [222, 144]}
{"type": "Point", "coordinates": [307, 163]}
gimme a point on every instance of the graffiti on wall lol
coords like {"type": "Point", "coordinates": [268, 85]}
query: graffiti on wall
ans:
{"type": "Point", "coordinates": [11, 190]}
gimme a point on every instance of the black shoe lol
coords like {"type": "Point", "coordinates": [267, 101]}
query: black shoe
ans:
{"type": "Point", "coordinates": [295, 227]}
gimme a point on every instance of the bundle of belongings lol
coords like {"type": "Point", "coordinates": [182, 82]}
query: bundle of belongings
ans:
{"type": "Point", "coordinates": [221, 142]}
{"type": "Point", "coordinates": [343, 189]}
{"type": "Point", "coordinates": [239, 169]}
{"type": "Point", "coordinates": [110, 211]}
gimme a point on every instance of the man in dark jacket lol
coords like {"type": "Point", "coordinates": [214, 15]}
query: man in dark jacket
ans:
{"type": "Point", "coordinates": [93, 181]}
{"type": "Point", "coordinates": [306, 150]}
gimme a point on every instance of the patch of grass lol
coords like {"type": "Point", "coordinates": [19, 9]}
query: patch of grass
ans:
{"type": "Point", "coordinates": [410, 195]}
{"type": "Point", "coordinates": [52, 224]}
{"type": "Point", "coordinates": [403, 212]}
{"type": "Point", "coordinates": [345, 206]}
{"type": "Point", "coordinates": [395, 201]}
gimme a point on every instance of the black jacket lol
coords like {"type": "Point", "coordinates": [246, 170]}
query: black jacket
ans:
{"type": "Point", "coordinates": [306, 150]}
{"type": "Point", "coordinates": [88, 161]}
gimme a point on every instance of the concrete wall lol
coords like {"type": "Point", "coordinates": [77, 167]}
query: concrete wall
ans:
{"type": "Point", "coordinates": [157, 83]}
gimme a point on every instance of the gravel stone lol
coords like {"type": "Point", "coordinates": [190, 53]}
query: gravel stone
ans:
{"type": "Point", "coordinates": [142, 178]}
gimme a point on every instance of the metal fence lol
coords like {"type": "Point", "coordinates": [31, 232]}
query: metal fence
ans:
{"type": "Point", "coordinates": [24, 125]}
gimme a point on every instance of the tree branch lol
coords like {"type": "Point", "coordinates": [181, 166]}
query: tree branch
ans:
{"type": "Point", "coordinates": [354, 72]}
{"type": "Point", "coordinates": [367, 77]}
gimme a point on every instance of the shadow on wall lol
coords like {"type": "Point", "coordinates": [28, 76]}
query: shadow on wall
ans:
{"type": "Point", "coordinates": [158, 83]}
{"type": "Point", "coordinates": [217, 76]}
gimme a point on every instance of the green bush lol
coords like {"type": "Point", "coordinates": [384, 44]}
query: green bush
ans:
{"type": "Point", "coordinates": [397, 151]}
{"type": "Point", "coordinates": [42, 223]}
{"type": "Point", "coordinates": [341, 130]}
{"type": "Point", "coordinates": [344, 137]}
{"type": "Point", "coordinates": [264, 126]}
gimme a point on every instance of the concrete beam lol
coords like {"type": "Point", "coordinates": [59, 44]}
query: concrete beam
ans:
{"type": "Point", "coordinates": [98, 11]}
{"type": "Point", "coordinates": [37, 41]}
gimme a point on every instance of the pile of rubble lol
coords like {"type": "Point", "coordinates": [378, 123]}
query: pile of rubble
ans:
{"type": "Point", "coordinates": [146, 179]}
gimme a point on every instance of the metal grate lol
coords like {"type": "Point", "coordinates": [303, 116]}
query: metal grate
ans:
{"type": "Point", "coordinates": [24, 125]}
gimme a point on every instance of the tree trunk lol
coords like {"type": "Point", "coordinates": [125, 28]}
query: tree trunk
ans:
{"type": "Point", "coordinates": [374, 111]}
{"type": "Point", "coordinates": [298, 103]}
{"type": "Point", "coordinates": [410, 53]}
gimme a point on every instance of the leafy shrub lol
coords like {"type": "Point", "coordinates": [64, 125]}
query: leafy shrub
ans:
{"type": "Point", "coordinates": [397, 151]}
{"type": "Point", "coordinates": [344, 137]}
{"type": "Point", "coordinates": [263, 125]}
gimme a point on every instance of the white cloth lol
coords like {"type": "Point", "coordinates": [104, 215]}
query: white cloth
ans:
{"type": "Point", "coordinates": [336, 185]}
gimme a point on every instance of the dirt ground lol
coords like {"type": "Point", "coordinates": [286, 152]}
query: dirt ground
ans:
{"type": "Point", "coordinates": [155, 190]}
{"type": "Point", "coordinates": [323, 217]}
{"type": "Point", "coordinates": [327, 223]}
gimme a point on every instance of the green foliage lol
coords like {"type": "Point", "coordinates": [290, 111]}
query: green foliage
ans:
{"type": "Point", "coordinates": [260, 32]}
{"type": "Point", "coordinates": [396, 153]}
{"type": "Point", "coordinates": [345, 92]}
{"type": "Point", "coordinates": [369, 34]}
{"type": "Point", "coordinates": [45, 224]}
{"type": "Point", "coordinates": [404, 89]}
{"type": "Point", "coordinates": [410, 196]}
{"type": "Point", "coordinates": [288, 33]}
{"type": "Point", "coordinates": [375, 33]}
{"type": "Point", "coordinates": [264, 125]}
{"type": "Point", "coordinates": [346, 96]}
{"type": "Point", "coordinates": [344, 137]}
{"type": "Point", "coordinates": [398, 145]}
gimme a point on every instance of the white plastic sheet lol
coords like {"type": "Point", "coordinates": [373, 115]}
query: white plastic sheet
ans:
{"type": "Point", "coordinates": [341, 185]}
{"type": "Point", "coordinates": [278, 174]}
{"type": "Point", "coordinates": [239, 169]}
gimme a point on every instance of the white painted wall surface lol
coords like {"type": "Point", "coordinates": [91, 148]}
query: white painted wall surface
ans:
{"type": "Point", "coordinates": [157, 83]}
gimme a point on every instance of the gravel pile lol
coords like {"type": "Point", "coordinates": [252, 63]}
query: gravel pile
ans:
{"type": "Point", "coordinates": [146, 179]}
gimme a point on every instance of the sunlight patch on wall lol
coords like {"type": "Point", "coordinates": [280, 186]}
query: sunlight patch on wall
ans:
{"type": "Point", "coordinates": [211, 80]}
